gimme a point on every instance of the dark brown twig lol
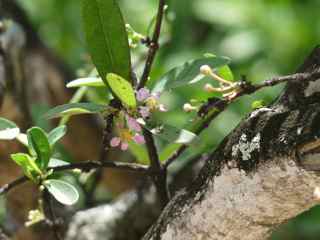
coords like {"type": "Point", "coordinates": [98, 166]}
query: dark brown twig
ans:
{"type": "Point", "coordinates": [245, 88]}
{"type": "Point", "coordinates": [153, 45]}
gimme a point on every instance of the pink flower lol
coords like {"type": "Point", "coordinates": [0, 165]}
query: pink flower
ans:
{"type": "Point", "coordinates": [144, 111]}
{"type": "Point", "coordinates": [143, 94]}
{"type": "Point", "coordinates": [133, 124]}
{"type": "Point", "coordinates": [139, 139]}
{"type": "Point", "coordinates": [116, 142]}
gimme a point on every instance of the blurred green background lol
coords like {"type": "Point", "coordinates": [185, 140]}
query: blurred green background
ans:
{"type": "Point", "coordinates": [263, 39]}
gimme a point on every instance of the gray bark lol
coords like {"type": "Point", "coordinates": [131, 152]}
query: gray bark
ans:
{"type": "Point", "coordinates": [263, 174]}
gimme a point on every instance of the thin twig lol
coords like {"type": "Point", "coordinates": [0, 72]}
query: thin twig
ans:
{"type": "Point", "coordinates": [246, 88]}
{"type": "Point", "coordinates": [85, 166]}
{"type": "Point", "coordinates": [153, 46]}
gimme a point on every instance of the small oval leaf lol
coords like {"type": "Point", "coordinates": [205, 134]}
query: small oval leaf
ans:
{"type": "Point", "coordinates": [62, 191]}
{"type": "Point", "coordinates": [54, 162]}
{"type": "Point", "coordinates": [8, 130]}
{"type": "Point", "coordinates": [122, 89]}
{"type": "Point", "coordinates": [74, 109]}
{"type": "Point", "coordinates": [39, 144]}
{"type": "Point", "coordinates": [86, 82]}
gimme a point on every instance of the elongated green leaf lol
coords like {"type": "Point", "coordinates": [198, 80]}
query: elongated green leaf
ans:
{"type": "Point", "coordinates": [38, 143]}
{"type": "Point", "coordinates": [172, 134]}
{"type": "Point", "coordinates": [86, 82]}
{"type": "Point", "coordinates": [54, 162]}
{"type": "Point", "coordinates": [74, 109]}
{"type": "Point", "coordinates": [56, 134]}
{"type": "Point", "coordinates": [8, 130]}
{"type": "Point", "coordinates": [28, 165]}
{"type": "Point", "coordinates": [188, 73]}
{"type": "Point", "coordinates": [226, 73]}
{"type": "Point", "coordinates": [106, 37]}
{"type": "Point", "coordinates": [62, 191]}
{"type": "Point", "coordinates": [122, 89]}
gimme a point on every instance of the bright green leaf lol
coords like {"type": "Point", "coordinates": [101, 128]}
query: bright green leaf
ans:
{"type": "Point", "coordinates": [57, 163]}
{"type": "Point", "coordinates": [56, 134]}
{"type": "Point", "coordinates": [28, 165]}
{"type": "Point", "coordinates": [39, 144]}
{"type": "Point", "coordinates": [86, 82]}
{"type": "Point", "coordinates": [62, 191]}
{"type": "Point", "coordinates": [8, 130]}
{"type": "Point", "coordinates": [139, 152]}
{"type": "Point", "coordinates": [74, 109]}
{"type": "Point", "coordinates": [122, 89]}
{"type": "Point", "coordinates": [188, 73]}
{"type": "Point", "coordinates": [106, 37]}
{"type": "Point", "coordinates": [226, 73]}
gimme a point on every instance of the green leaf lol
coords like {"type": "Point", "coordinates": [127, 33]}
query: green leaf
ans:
{"type": "Point", "coordinates": [54, 162]}
{"type": "Point", "coordinates": [188, 73]}
{"type": "Point", "coordinates": [139, 152]}
{"type": "Point", "coordinates": [28, 165]}
{"type": "Point", "coordinates": [226, 73]}
{"type": "Point", "coordinates": [62, 191]}
{"type": "Point", "coordinates": [56, 134]}
{"type": "Point", "coordinates": [22, 138]}
{"type": "Point", "coordinates": [106, 37]}
{"type": "Point", "coordinates": [86, 82]}
{"type": "Point", "coordinates": [122, 89]}
{"type": "Point", "coordinates": [71, 109]}
{"type": "Point", "coordinates": [172, 134]}
{"type": "Point", "coordinates": [8, 130]}
{"type": "Point", "coordinates": [39, 144]}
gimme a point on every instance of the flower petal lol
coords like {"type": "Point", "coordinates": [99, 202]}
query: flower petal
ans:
{"type": "Point", "coordinates": [115, 141]}
{"type": "Point", "coordinates": [144, 111]}
{"type": "Point", "coordinates": [133, 124]}
{"type": "Point", "coordinates": [139, 139]}
{"type": "Point", "coordinates": [124, 146]}
{"type": "Point", "coordinates": [143, 94]}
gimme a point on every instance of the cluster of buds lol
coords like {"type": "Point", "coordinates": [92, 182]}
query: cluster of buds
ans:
{"type": "Point", "coordinates": [149, 102]}
{"type": "Point", "coordinates": [34, 216]}
{"type": "Point", "coordinates": [227, 88]}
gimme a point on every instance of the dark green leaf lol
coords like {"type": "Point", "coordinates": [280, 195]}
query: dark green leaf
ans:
{"type": "Point", "coordinates": [122, 89]}
{"type": "Point", "coordinates": [56, 134]}
{"type": "Point", "coordinates": [188, 73]}
{"type": "Point", "coordinates": [62, 191]}
{"type": "Point", "coordinates": [74, 109]}
{"type": "Point", "coordinates": [8, 130]}
{"type": "Point", "coordinates": [39, 144]}
{"type": "Point", "coordinates": [106, 37]}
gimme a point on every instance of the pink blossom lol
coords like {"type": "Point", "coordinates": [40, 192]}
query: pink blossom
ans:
{"type": "Point", "coordinates": [115, 141]}
{"type": "Point", "coordinates": [124, 146]}
{"type": "Point", "coordinates": [143, 94]}
{"type": "Point", "coordinates": [133, 124]}
{"type": "Point", "coordinates": [156, 95]}
{"type": "Point", "coordinates": [139, 139]}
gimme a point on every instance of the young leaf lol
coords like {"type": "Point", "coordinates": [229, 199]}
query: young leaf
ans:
{"type": "Point", "coordinates": [56, 134]}
{"type": "Point", "coordinates": [226, 73]}
{"type": "Point", "coordinates": [39, 144]}
{"type": "Point", "coordinates": [86, 82]}
{"type": "Point", "coordinates": [57, 163]}
{"type": "Point", "coordinates": [122, 89]}
{"type": "Point", "coordinates": [188, 73]}
{"type": "Point", "coordinates": [71, 109]}
{"type": "Point", "coordinates": [62, 191]}
{"type": "Point", "coordinates": [106, 37]}
{"type": "Point", "coordinates": [8, 130]}
{"type": "Point", "coordinates": [28, 165]}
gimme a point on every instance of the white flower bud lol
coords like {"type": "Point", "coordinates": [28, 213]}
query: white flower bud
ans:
{"type": "Point", "coordinates": [316, 193]}
{"type": "Point", "coordinates": [205, 70]}
{"type": "Point", "coordinates": [208, 88]}
{"type": "Point", "coordinates": [187, 107]}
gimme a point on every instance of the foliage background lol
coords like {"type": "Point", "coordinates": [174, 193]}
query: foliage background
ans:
{"type": "Point", "coordinates": [263, 39]}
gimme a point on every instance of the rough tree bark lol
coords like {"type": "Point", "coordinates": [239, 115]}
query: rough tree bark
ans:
{"type": "Point", "coordinates": [263, 174]}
